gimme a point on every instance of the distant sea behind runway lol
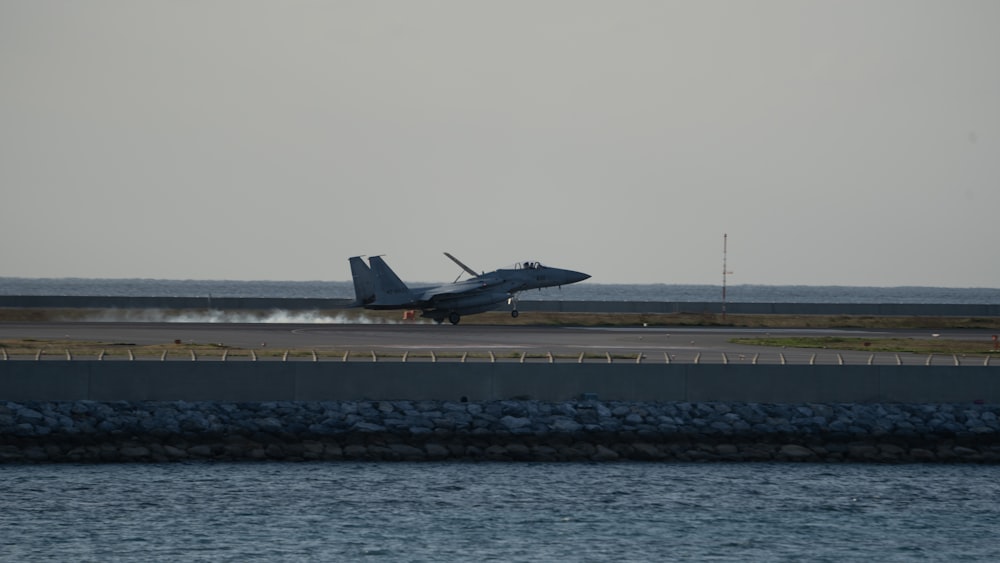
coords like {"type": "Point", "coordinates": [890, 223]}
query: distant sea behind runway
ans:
{"type": "Point", "coordinates": [585, 291]}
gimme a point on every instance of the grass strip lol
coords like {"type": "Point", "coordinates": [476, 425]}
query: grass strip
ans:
{"type": "Point", "coordinates": [899, 345]}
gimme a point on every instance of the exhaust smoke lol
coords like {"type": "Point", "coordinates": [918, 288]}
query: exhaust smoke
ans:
{"type": "Point", "coordinates": [216, 316]}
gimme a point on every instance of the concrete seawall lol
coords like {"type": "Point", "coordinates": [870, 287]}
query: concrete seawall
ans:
{"type": "Point", "coordinates": [715, 307]}
{"type": "Point", "coordinates": [114, 411]}
{"type": "Point", "coordinates": [74, 380]}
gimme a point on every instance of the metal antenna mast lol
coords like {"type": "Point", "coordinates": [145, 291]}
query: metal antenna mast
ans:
{"type": "Point", "coordinates": [725, 272]}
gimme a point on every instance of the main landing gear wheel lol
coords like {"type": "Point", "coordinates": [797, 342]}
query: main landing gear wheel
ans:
{"type": "Point", "coordinates": [453, 318]}
{"type": "Point", "coordinates": [514, 313]}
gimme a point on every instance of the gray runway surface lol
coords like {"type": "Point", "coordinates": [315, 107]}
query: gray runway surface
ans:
{"type": "Point", "coordinates": [654, 343]}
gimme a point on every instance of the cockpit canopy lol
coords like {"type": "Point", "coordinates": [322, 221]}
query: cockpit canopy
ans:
{"type": "Point", "coordinates": [527, 265]}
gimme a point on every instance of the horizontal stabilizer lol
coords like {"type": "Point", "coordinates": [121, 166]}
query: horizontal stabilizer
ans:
{"type": "Point", "coordinates": [463, 266]}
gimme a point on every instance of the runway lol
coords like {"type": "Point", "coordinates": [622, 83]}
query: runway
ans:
{"type": "Point", "coordinates": [681, 344]}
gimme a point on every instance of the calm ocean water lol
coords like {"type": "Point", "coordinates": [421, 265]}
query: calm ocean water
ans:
{"type": "Point", "coordinates": [499, 512]}
{"type": "Point", "coordinates": [579, 292]}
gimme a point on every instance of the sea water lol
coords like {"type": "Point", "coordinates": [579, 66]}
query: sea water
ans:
{"type": "Point", "coordinates": [499, 512]}
{"type": "Point", "coordinates": [585, 291]}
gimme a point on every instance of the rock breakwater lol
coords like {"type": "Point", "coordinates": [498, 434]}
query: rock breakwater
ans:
{"type": "Point", "coordinates": [585, 430]}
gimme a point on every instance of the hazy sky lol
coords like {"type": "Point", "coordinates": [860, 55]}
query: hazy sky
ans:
{"type": "Point", "coordinates": [852, 142]}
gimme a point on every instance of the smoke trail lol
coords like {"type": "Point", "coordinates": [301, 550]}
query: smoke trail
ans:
{"type": "Point", "coordinates": [216, 316]}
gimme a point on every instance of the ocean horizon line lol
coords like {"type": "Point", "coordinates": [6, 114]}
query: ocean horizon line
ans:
{"type": "Point", "coordinates": [415, 283]}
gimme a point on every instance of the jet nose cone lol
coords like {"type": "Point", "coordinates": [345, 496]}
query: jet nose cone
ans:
{"type": "Point", "coordinates": [577, 276]}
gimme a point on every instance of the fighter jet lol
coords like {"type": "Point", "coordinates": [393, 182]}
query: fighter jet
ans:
{"type": "Point", "coordinates": [376, 286]}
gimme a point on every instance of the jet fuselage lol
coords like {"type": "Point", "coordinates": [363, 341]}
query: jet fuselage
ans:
{"type": "Point", "coordinates": [378, 287]}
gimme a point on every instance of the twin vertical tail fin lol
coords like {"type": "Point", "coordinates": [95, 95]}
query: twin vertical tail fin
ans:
{"type": "Point", "coordinates": [389, 289]}
{"type": "Point", "coordinates": [376, 284]}
{"type": "Point", "coordinates": [364, 283]}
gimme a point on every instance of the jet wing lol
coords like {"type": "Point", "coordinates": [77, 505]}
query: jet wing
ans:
{"type": "Point", "coordinates": [457, 288]}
